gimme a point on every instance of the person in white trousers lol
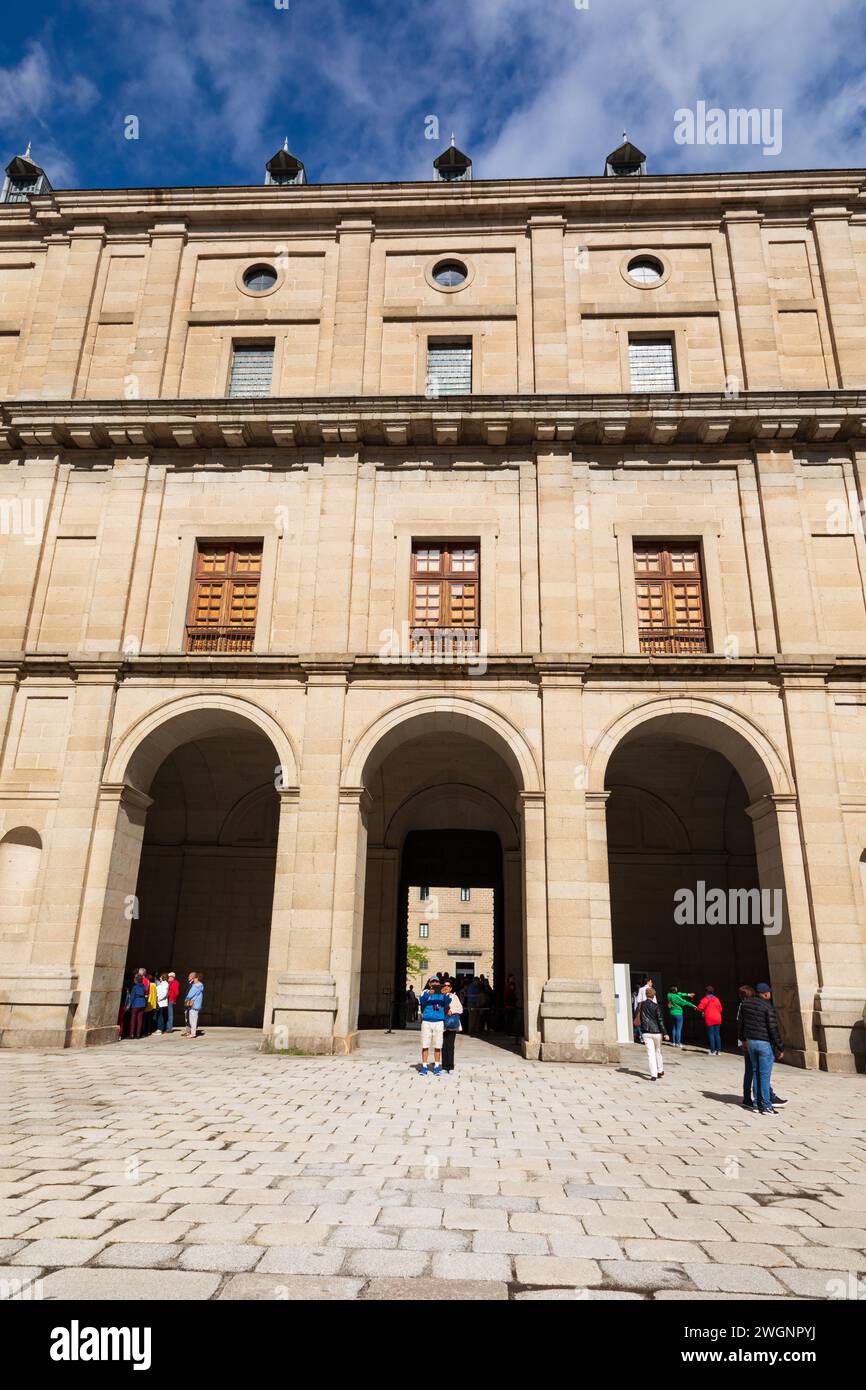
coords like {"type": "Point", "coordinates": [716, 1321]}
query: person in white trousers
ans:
{"type": "Point", "coordinates": [650, 1020]}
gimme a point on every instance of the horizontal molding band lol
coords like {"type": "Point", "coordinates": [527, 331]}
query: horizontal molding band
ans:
{"type": "Point", "coordinates": [759, 418]}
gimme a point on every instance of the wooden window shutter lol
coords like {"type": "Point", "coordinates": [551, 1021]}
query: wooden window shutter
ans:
{"type": "Point", "coordinates": [671, 606]}
{"type": "Point", "coordinates": [445, 593]}
{"type": "Point", "coordinates": [225, 596]}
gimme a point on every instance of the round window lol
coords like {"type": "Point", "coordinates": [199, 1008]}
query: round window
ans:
{"type": "Point", "coordinates": [645, 270]}
{"type": "Point", "coordinates": [450, 274]}
{"type": "Point", "coordinates": [260, 278]}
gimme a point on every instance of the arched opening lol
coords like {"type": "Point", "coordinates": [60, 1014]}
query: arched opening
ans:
{"type": "Point", "coordinates": [696, 892]}
{"type": "Point", "coordinates": [20, 857]}
{"type": "Point", "coordinates": [191, 877]}
{"type": "Point", "coordinates": [206, 877]}
{"type": "Point", "coordinates": [444, 854]}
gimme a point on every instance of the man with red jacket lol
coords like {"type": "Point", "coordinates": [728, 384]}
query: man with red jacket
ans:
{"type": "Point", "coordinates": [173, 992]}
{"type": "Point", "coordinates": [711, 1008]}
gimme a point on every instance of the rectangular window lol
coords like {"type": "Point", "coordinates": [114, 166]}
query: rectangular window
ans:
{"type": "Point", "coordinates": [449, 367]}
{"type": "Point", "coordinates": [464, 895]}
{"type": "Point", "coordinates": [464, 931]}
{"type": "Point", "coordinates": [225, 596]}
{"type": "Point", "coordinates": [651, 363]}
{"type": "Point", "coordinates": [670, 597]}
{"type": "Point", "coordinates": [423, 894]}
{"type": "Point", "coordinates": [252, 369]}
{"type": "Point", "coordinates": [423, 928]}
{"type": "Point", "coordinates": [445, 597]}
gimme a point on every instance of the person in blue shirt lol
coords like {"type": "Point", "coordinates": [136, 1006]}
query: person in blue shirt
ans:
{"type": "Point", "coordinates": [193, 1002]}
{"type": "Point", "coordinates": [434, 1006]}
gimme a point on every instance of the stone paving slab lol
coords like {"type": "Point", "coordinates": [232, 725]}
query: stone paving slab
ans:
{"type": "Point", "coordinates": [346, 1178]}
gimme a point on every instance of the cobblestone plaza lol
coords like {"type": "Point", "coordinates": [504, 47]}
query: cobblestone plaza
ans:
{"type": "Point", "coordinates": [147, 1171]}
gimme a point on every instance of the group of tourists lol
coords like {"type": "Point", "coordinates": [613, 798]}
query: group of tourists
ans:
{"type": "Point", "coordinates": [709, 1007]}
{"type": "Point", "coordinates": [757, 1031]}
{"type": "Point", "coordinates": [148, 1003]}
{"type": "Point", "coordinates": [477, 1001]}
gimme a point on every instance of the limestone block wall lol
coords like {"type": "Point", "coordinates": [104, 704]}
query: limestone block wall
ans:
{"type": "Point", "coordinates": [136, 297]}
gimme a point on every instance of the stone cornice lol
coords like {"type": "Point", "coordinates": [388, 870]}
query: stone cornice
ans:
{"type": "Point", "coordinates": [548, 668]}
{"type": "Point", "coordinates": [317, 208]}
{"type": "Point", "coordinates": [766, 419]}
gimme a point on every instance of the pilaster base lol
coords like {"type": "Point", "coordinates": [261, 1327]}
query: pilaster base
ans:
{"type": "Point", "coordinates": [304, 1009]}
{"type": "Point", "coordinates": [840, 1028]}
{"type": "Point", "coordinates": [573, 1020]}
{"type": "Point", "coordinates": [37, 1003]}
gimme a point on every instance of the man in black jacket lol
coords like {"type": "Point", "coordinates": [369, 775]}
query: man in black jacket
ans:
{"type": "Point", "coordinates": [758, 1030]}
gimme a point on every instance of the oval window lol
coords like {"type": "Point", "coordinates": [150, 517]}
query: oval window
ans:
{"type": "Point", "coordinates": [260, 278]}
{"type": "Point", "coordinates": [450, 274]}
{"type": "Point", "coordinates": [645, 270]}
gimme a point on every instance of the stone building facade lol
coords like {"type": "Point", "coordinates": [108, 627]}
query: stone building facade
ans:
{"type": "Point", "coordinates": [347, 531]}
{"type": "Point", "coordinates": [453, 926]}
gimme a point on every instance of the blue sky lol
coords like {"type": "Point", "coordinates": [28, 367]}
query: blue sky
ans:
{"type": "Point", "coordinates": [531, 87]}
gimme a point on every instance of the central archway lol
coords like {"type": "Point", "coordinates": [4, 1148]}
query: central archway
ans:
{"type": "Point", "coordinates": [444, 782]}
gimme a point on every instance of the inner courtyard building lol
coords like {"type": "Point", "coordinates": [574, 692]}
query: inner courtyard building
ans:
{"type": "Point", "coordinates": [489, 538]}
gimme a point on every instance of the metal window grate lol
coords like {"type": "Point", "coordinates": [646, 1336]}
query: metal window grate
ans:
{"type": "Point", "coordinates": [651, 361]}
{"type": "Point", "coordinates": [252, 371]}
{"type": "Point", "coordinates": [449, 369]}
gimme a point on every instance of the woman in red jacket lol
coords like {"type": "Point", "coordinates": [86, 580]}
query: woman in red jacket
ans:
{"type": "Point", "coordinates": [711, 1008]}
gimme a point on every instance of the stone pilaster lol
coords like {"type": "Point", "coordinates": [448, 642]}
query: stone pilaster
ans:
{"type": "Point", "coordinates": [843, 293]}
{"type": "Point", "coordinates": [840, 946]}
{"type": "Point", "coordinates": [546, 233]}
{"type": "Point", "coordinates": [754, 304]}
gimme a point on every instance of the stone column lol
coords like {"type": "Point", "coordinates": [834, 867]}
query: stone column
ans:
{"type": "Point", "coordinates": [840, 942]}
{"type": "Point", "coordinates": [578, 1017]}
{"type": "Point", "coordinates": [843, 293]}
{"type": "Point", "coordinates": [791, 949]}
{"type": "Point", "coordinates": [348, 930]}
{"type": "Point", "coordinates": [109, 909]}
{"type": "Point", "coordinates": [381, 890]}
{"type": "Point", "coordinates": [546, 235]}
{"type": "Point", "coordinates": [281, 912]}
{"type": "Point", "coordinates": [305, 997]}
{"type": "Point", "coordinates": [512, 892]}
{"type": "Point", "coordinates": [754, 303]}
{"type": "Point", "coordinates": [535, 957]}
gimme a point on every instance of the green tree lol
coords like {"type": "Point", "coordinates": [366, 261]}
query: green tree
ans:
{"type": "Point", "coordinates": [416, 959]}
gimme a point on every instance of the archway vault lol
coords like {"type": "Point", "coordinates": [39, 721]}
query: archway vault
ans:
{"type": "Point", "coordinates": [435, 714]}
{"type": "Point", "coordinates": [135, 756]}
{"type": "Point", "coordinates": [709, 723]}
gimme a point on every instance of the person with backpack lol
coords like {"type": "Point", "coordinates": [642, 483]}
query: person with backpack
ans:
{"type": "Point", "coordinates": [434, 1007]}
{"type": "Point", "coordinates": [452, 1025]}
{"type": "Point", "coordinates": [652, 1028]}
{"type": "Point", "coordinates": [758, 1031]}
{"type": "Point", "coordinates": [711, 1008]}
{"type": "Point", "coordinates": [677, 1001]}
